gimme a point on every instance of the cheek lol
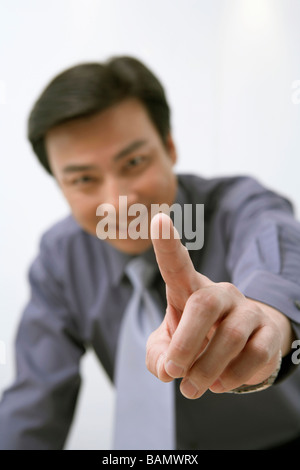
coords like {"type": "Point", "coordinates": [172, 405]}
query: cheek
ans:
{"type": "Point", "coordinates": [161, 184]}
{"type": "Point", "coordinates": [84, 211]}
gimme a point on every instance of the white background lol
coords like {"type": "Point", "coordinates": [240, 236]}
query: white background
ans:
{"type": "Point", "coordinates": [229, 67]}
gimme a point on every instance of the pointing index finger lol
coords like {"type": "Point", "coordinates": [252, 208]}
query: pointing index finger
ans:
{"type": "Point", "coordinates": [173, 259]}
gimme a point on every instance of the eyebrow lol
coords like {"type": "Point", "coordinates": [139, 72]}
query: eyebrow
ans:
{"type": "Point", "coordinates": [123, 153]}
{"type": "Point", "coordinates": [130, 148]}
{"type": "Point", "coordinates": [75, 168]}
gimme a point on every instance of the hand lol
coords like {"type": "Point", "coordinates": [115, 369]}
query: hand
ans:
{"type": "Point", "coordinates": [212, 335]}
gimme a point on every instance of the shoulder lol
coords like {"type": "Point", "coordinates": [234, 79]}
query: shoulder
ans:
{"type": "Point", "coordinates": [221, 184]}
{"type": "Point", "coordinates": [62, 233]}
{"type": "Point", "coordinates": [70, 263]}
{"type": "Point", "coordinates": [65, 247]}
{"type": "Point", "coordinates": [232, 193]}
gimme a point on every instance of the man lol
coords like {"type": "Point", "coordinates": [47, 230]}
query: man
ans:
{"type": "Point", "coordinates": [231, 308]}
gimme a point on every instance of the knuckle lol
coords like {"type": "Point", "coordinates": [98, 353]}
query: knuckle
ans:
{"type": "Point", "coordinates": [206, 298]}
{"type": "Point", "coordinates": [250, 308]}
{"type": "Point", "coordinates": [180, 351]}
{"type": "Point", "coordinates": [232, 375]}
{"type": "Point", "coordinates": [261, 353]}
{"type": "Point", "coordinates": [231, 289]}
{"type": "Point", "coordinates": [234, 334]}
{"type": "Point", "coordinates": [206, 372]}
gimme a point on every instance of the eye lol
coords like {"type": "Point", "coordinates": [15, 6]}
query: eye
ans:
{"type": "Point", "coordinates": [135, 161]}
{"type": "Point", "coordinates": [83, 180]}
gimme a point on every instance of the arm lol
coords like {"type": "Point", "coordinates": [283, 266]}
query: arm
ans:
{"type": "Point", "coordinates": [36, 412]}
{"type": "Point", "coordinates": [264, 258]}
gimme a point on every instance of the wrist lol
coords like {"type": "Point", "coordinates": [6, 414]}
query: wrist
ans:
{"type": "Point", "coordinates": [283, 324]}
{"type": "Point", "coordinates": [262, 385]}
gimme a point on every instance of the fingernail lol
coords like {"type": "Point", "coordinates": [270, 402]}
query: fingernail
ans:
{"type": "Point", "coordinates": [188, 389]}
{"type": "Point", "coordinates": [174, 370]}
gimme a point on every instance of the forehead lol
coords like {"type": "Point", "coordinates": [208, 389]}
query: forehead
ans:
{"type": "Point", "coordinates": [112, 127]}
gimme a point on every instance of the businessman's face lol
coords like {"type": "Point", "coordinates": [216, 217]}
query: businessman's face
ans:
{"type": "Point", "coordinates": [117, 152]}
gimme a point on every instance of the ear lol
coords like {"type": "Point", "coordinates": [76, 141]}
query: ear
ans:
{"type": "Point", "coordinates": [171, 148]}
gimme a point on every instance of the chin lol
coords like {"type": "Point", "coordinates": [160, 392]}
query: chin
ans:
{"type": "Point", "coordinates": [127, 245]}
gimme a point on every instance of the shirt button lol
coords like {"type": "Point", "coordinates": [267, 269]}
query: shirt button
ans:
{"type": "Point", "coordinates": [297, 304]}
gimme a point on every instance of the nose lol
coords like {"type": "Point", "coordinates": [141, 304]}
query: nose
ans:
{"type": "Point", "coordinates": [113, 188]}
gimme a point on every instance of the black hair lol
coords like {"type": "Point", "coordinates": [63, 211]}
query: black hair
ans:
{"type": "Point", "coordinates": [89, 88]}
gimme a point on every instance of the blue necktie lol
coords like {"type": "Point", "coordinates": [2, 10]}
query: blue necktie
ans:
{"type": "Point", "coordinates": [144, 412]}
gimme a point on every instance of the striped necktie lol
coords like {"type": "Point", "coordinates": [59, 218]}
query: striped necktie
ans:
{"type": "Point", "coordinates": [144, 412]}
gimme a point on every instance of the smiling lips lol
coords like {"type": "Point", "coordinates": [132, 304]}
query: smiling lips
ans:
{"type": "Point", "coordinates": [121, 221]}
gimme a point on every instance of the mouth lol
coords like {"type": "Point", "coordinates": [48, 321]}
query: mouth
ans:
{"type": "Point", "coordinates": [132, 223]}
